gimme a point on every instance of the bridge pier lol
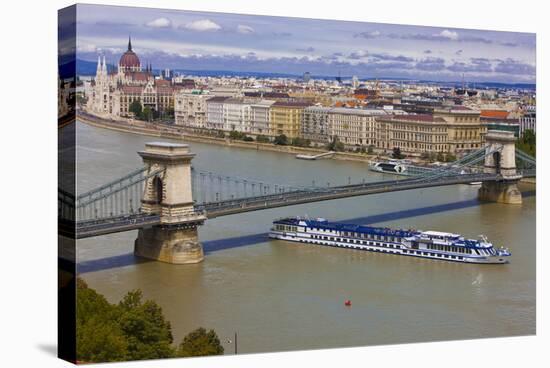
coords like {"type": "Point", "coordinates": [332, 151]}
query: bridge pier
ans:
{"type": "Point", "coordinates": [169, 194]}
{"type": "Point", "coordinates": [170, 245]}
{"type": "Point", "coordinates": [501, 192]}
{"type": "Point", "coordinates": [501, 159]}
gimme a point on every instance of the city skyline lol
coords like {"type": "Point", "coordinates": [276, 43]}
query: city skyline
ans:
{"type": "Point", "coordinates": [247, 43]}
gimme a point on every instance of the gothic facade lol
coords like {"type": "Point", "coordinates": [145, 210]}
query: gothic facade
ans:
{"type": "Point", "coordinates": [113, 91]}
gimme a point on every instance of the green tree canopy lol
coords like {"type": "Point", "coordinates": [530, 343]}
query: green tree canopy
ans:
{"type": "Point", "coordinates": [449, 157]}
{"type": "Point", "coordinates": [136, 108]}
{"type": "Point", "coordinates": [396, 153]}
{"type": "Point", "coordinates": [133, 329]}
{"type": "Point", "coordinates": [281, 140]}
{"type": "Point", "coordinates": [147, 114]}
{"type": "Point", "coordinates": [335, 145]}
{"type": "Point", "coordinates": [528, 143]}
{"type": "Point", "coordinates": [301, 142]}
{"type": "Point", "coordinates": [99, 338]}
{"type": "Point", "coordinates": [148, 333]}
{"type": "Point", "coordinates": [262, 139]}
{"type": "Point", "coordinates": [200, 343]}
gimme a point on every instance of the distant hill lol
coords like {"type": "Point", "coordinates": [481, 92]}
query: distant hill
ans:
{"type": "Point", "coordinates": [83, 68]}
{"type": "Point", "coordinates": [88, 68]}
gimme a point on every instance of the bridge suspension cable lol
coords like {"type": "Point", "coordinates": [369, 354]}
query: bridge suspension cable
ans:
{"type": "Point", "coordinates": [120, 200]}
{"type": "Point", "coordinates": [117, 198]}
{"type": "Point", "coordinates": [210, 187]}
{"type": "Point", "coordinates": [466, 164]}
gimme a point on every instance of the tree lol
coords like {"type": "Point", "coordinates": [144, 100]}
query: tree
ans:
{"type": "Point", "coordinates": [335, 145]}
{"type": "Point", "coordinates": [449, 157]}
{"type": "Point", "coordinates": [136, 108]}
{"type": "Point", "coordinates": [200, 343]}
{"type": "Point", "coordinates": [396, 153]}
{"type": "Point", "coordinates": [281, 140]}
{"type": "Point", "coordinates": [130, 330]}
{"type": "Point", "coordinates": [370, 149]}
{"type": "Point", "coordinates": [235, 134]}
{"type": "Point", "coordinates": [98, 336]}
{"type": "Point", "coordinates": [147, 114]}
{"type": "Point", "coordinates": [527, 143]}
{"type": "Point", "coordinates": [301, 142]}
{"type": "Point", "coordinates": [169, 113]}
{"type": "Point", "coordinates": [81, 99]}
{"type": "Point", "coordinates": [262, 139]}
{"type": "Point", "coordinates": [440, 157]}
{"type": "Point", "coordinates": [148, 333]}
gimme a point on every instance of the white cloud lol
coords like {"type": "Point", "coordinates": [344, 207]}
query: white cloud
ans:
{"type": "Point", "coordinates": [86, 47]}
{"type": "Point", "coordinates": [451, 35]}
{"type": "Point", "coordinates": [244, 29]}
{"type": "Point", "coordinates": [159, 23]}
{"type": "Point", "coordinates": [203, 25]}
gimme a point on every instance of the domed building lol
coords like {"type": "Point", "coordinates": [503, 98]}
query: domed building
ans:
{"type": "Point", "coordinates": [112, 91]}
{"type": "Point", "coordinates": [129, 61]}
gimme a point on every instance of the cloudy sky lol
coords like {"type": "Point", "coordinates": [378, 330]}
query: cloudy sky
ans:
{"type": "Point", "coordinates": [217, 41]}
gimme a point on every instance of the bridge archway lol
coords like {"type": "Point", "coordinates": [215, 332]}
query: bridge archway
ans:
{"type": "Point", "coordinates": [496, 160]}
{"type": "Point", "coordinates": [168, 194]}
{"type": "Point", "coordinates": [157, 190]}
{"type": "Point", "coordinates": [500, 159]}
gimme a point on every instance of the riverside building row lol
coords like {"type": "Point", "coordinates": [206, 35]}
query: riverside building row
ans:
{"type": "Point", "coordinates": [455, 129]}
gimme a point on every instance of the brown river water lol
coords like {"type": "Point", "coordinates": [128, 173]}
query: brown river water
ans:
{"type": "Point", "coordinates": [285, 296]}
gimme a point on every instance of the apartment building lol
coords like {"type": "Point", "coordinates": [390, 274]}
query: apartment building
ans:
{"type": "Point", "coordinates": [354, 127]}
{"type": "Point", "coordinates": [465, 132]}
{"type": "Point", "coordinates": [286, 118]}
{"type": "Point", "coordinates": [190, 108]}
{"type": "Point", "coordinates": [413, 134]}
{"type": "Point", "coordinates": [259, 117]}
{"type": "Point", "coordinates": [236, 115]}
{"type": "Point", "coordinates": [214, 112]}
{"type": "Point", "coordinates": [315, 125]}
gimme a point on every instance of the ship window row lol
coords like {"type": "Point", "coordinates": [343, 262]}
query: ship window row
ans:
{"type": "Point", "coordinates": [285, 228]}
{"type": "Point", "coordinates": [354, 241]}
{"type": "Point", "coordinates": [350, 246]}
{"type": "Point", "coordinates": [361, 235]}
{"type": "Point", "coordinates": [437, 255]}
{"type": "Point", "coordinates": [449, 248]}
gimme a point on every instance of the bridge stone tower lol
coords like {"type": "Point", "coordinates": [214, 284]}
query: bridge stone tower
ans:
{"type": "Point", "coordinates": [169, 194]}
{"type": "Point", "coordinates": [501, 159]}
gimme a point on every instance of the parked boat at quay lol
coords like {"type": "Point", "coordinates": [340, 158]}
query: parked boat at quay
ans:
{"type": "Point", "coordinates": [400, 167]}
{"type": "Point", "coordinates": [417, 243]}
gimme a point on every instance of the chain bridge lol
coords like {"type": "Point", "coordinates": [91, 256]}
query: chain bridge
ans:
{"type": "Point", "coordinates": [167, 198]}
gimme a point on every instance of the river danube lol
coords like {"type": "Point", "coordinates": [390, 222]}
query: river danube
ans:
{"type": "Point", "coordinates": [285, 296]}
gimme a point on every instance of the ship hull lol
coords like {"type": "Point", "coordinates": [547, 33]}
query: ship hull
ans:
{"type": "Point", "coordinates": [393, 248]}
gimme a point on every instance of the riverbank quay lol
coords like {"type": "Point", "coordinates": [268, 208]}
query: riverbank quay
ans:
{"type": "Point", "coordinates": [178, 133]}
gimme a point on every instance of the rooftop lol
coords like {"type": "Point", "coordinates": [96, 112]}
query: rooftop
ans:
{"type": "Point", "coordinates": [501, 114]}
{"type": "Point", "coordinates": [291, 104]}
{"type": "Point", "coordinates": [218, 99]}
{"type": "Point", "coordinates": [424, 118]}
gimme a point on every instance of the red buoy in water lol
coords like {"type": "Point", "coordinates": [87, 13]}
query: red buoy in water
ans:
{"type": "Point", "coordinates": [347, 303]}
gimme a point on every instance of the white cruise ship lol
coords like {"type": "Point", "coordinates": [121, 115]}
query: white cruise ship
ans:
{"type": "Point", "coordinates": [415, 243]}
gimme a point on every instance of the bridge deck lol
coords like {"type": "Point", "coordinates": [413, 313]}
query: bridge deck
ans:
{"type": "Point", "coordinates": [110, 225]}
{"type": "Point", "coordinates": [224, 208]}
{"type": "Point", "coordinates": [87, 229]}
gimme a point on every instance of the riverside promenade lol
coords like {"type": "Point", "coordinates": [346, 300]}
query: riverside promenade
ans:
{"type": "Point", "coordinates": [179, 133]}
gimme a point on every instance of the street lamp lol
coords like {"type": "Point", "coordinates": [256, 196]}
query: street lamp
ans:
{"type": "Point", "coordinates": [233, 342]}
